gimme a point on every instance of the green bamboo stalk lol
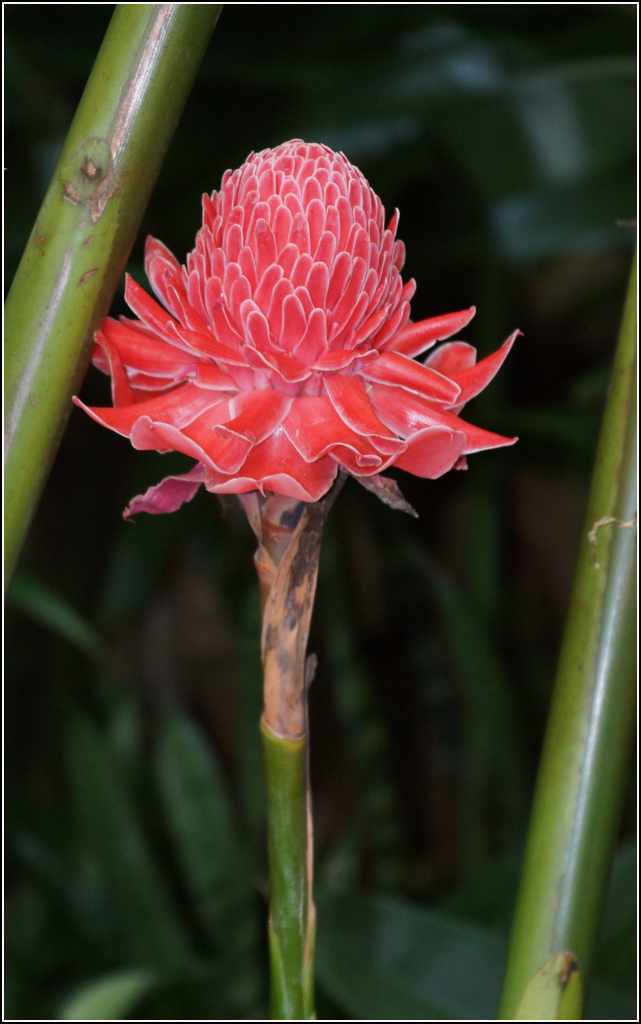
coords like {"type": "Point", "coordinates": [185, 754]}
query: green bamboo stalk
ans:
{"type": "Point", "coordinates": [84, 231]}
{"type": "Point", "coordinates": [583, 766]}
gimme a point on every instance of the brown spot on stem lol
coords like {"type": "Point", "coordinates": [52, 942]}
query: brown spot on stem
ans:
{"type": "Point", "coordinates": [70, 195]}
{"type": "Point", "coordinates": [568, 967]}
{"type": "Point", "coordinates": [89, 169]}
{"type": "Point", "coordinates": [608, 521]}
{"type": "Point", "coordinates": [85, 277]}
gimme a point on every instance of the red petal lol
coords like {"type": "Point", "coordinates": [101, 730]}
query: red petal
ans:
{"type": "Point", "coordinates": [432, 452]}
{"type": "Point", "coordinates": [263, 294]}
{"type": "Point", "coordinates": [282, 289]}
{"type": "Point", "coordinates": [391, 368]}
{"type": "Point", "coordinates": [169, 494]}
{"type": "Point", "coordinates": [318, 283]}
{"type": "Point", "coordinates": [265, 251]}
{"type": "Point", "coordinates": [256, 414]}
{"type": "Point", "coordinates": [326, 248]}
{"type": "Point", "coordinates": [371, 325]}
{"type": "Point", "coordinates": [316, 219]}
{"type": "Point", "coordinates": [417, 338]}
{"type": "Point", "coordinates": [315, 429]}
{"type": "Point", "coordinates": [300, 270]}
{"type": "Point", "coordinates": [351, 402]}
{"type": "Point", "coordinates": [205, 375]}
{"type": "Point", "coordinates": [154, 250]}
{"type": "Point", "coordinates": [294, 323]}
{"type": "Point", "coordinates": [333, 361]}
{"type": "Point", "coordinates": [138, 351]}
{"type": "Point", "coordinates": [339, 278]}
{"type": "Point", "coordinates": [314, 340]}
{"type": "Point", "coordinates": [178, 407]}
{"type": "Point", "coordinates": [392, 326]}
{"type": "Point", "coordinates": [275, 465]}
{"type": "Point", "coordinates": [451, 358]}
{"type": "Point", "coordinates": [204, 345]}
{"type": "Point", "coordinates": [290, 368]}
{"type": "Point", "coordinates": [121, 393]}
{"type": "Point", "coordinates": [198, 440]}
{"type": "Point", "coordinates": [149, 311]}
{"type": "Point", "coordinates": [473, 379]}
{"type": "Point", "coordinates": [406, 414]}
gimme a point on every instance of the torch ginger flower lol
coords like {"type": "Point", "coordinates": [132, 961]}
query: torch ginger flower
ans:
{"type": "Point", "coordinates": [287, 351]}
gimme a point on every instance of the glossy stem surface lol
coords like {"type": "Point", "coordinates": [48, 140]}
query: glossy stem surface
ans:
{"type": "Point", "coordinates": [84, 231]}
{"type": "Point", "coordinates": [582, 774]}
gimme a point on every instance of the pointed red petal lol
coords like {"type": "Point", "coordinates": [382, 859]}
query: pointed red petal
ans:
{"type": "Point", "coordinates": [391, 368]}
{"type": "Point", "coordinates": [140, 352]}
{"type": "Point", "coordinates": [417, 338]}
{"type": "Point", "coordinates": [149, 311]}
{"type": "Point", "coordinates": [475, 378]}
{"type": "Point", "coordinates": [154, 250]}
{"type": "Point", "coordinates": [452, 357]}
{"type": "Point", "coordinates": [121, 393]}
{"type": "Point", "coordinates": [407, 414]}
{"type": "Point", "coordinates": [178, 407]}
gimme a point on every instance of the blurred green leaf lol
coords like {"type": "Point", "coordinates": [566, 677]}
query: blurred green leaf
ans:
{"type": "Point", "coordinates": [385, 959]}
{"type": "Point", "coordinates": [540, 224]}
{"type": "Point", "coordinates": [564, 433]}
{"type": "Point", "coordinates": [111, 998]}
{"type": "Point", "coordinates": [492, 717]}
{"type": "Point", "coordinates": [214, 861]}
{"type": "Point", "coordinates": [52, 611]}
{"type": "Point", "coordinates": [212, 858]}
{"type": "Point", "coordinates": [364, 726]}
{"type": "Point", "coordinates": [111, 840]}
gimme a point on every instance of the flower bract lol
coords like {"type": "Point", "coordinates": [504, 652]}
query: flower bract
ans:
{"type": "Point", "coordinates": [283, 350]}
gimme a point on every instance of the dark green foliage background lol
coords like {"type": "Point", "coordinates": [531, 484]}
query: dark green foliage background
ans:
{"type": "Point", "coordinates": [505, 134]}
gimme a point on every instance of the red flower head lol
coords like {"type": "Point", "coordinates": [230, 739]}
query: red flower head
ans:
{"type": "Point", "coordinates": [287, 352]}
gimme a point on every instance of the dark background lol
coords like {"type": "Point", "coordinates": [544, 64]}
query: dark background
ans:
{"type": "Point", "coordinates": [505, 134]}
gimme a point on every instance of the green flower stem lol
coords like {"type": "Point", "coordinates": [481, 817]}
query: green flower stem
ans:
{"type": "Point", "coordinates": [84, 231]}
{"type": "Point", "coordinates": [289, 533]}
{"type": "Point", "coordinates": [583, 767]}
{"type": "Point", "coordinates": [292, 913]}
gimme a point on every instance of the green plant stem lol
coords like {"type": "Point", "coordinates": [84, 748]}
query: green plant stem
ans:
{"type": "Point", "coordinates": [84, 231]}
{"type": "Point", "coordinates": [292, 914]}
{"type": "Point", "coordinates": [583, 766]}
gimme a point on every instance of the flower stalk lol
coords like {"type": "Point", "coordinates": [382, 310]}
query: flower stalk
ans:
{"type": "Point", "coordinates": [289, 534]}
{"type": "Point", "coordinates": [583, 766]}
